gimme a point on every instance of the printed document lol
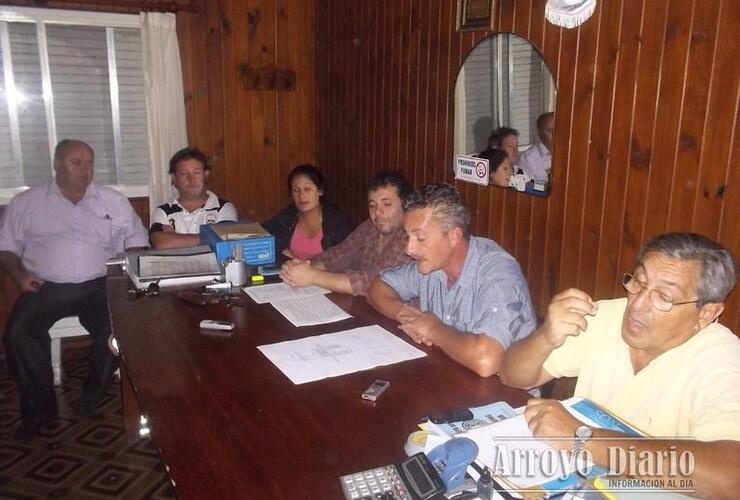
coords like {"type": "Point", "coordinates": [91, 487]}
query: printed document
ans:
{"type": "Point", "coordinates": [163, 266]}
{"type": "Point", "coordinates": [519, 461]}
{"type": "Point", "coordinates": [334, 354]}
{"type": "Point", "coordinates": [482, 415]}
{"type": "Point", "coordinates": [310, 310]}
{"type": "Point", "coordinates": [280, 291]}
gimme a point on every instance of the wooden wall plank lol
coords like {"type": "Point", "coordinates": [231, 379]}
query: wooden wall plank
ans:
{"type": "Point", "coordinates": [583, 109]}
{"type": "Point", "coordinates": [712, 186]}
{"type": "Point", "coordinates": [670, 94]}
{"type": "Point", "coordinates": [365, 86]}
{"type": "Point", "coordinates": [729, 233]}
{"type": "Point", "coordinates": [397, 48]}
{"type": "Point", "coordinates": [597, 163]}
{"type": "Point", "coordinates": [212, 130]}
{"type": "Point", "coordinates": [643, 129]}
{"type": "Point", "coordinates": [419, 162]}
{"type": "Point", "coordinates": [410, 100]}
{"type": "Point", "coordinates": [541, 271]}
{"type": "Point", "coordinates": [199, 121]}
{"type": "Point", "coordinates": [374, 78]}
{"type": "Point", "coordinates": [701, 52]}
{"type": "Point", "coordinates": [608, 270]}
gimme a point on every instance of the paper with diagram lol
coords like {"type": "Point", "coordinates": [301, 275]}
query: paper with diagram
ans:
{"type": "Point", "coordinates": [334, 354]}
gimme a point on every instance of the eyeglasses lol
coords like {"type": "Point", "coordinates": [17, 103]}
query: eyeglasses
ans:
{"type": "Point", "coordinates": [658, 300]}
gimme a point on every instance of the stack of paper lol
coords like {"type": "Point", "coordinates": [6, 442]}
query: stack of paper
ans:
{"type": "Point", "coordinates": [180, 266]}
{"type": "Point", "coordinates": [172, 266]}
{"type": "Point", "coordinates": [301, 306]}
{"type": "Point", "coordinates": [273, 292]}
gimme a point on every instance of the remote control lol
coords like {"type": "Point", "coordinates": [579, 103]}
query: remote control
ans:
{"type": "Point", "coordinates": [212, 324]}
{"type": "Point", "coordinates": [377, 388]}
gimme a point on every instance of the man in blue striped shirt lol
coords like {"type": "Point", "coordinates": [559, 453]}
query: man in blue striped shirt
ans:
{"type": "Point", "coordinates": [473, 301]}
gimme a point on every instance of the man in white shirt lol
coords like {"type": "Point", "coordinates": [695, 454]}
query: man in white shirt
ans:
{"type": "Point", "coordinates": [177, 223]}
{"type": "Point", "coordinates": [54, 241]}
{"type": "Point", "coordinates": [537, 160]}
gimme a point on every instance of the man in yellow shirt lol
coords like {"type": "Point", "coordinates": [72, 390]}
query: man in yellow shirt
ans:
{"type": "Point", "coordinates": [658, 359]}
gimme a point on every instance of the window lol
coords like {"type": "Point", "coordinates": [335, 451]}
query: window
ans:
{"type": "Point", "coordinates": [504, 82]}
{"type": "Point", "coordinates": [77, 75]}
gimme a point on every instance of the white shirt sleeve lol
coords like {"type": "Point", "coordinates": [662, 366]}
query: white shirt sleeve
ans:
{"type": "Point", "coordinates": [227, 213]}
{"type": "Point", "coordinates": [11, 227]}
{"type": "Point", "coordinates": [159, 217]}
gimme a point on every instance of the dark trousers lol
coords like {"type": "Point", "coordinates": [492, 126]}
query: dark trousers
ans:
{"type": "Point", "coordinates": [29, 346]}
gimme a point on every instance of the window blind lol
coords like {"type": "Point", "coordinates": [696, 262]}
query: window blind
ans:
{"type": "Point", "coordinates": [96, 79]}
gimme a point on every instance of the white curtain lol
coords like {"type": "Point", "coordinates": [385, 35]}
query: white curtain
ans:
{"type": "Point", "coordinates": [165, 103]}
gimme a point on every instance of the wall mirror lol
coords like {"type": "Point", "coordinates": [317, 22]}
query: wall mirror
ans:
{"type": "Point", "coordinates": [504, 83]}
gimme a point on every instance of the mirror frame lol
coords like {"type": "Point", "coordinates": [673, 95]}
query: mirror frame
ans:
{"type": "Point", "coordinates": [539, 194]}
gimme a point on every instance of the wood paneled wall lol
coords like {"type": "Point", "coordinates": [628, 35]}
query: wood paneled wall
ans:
{"type": "Point", "coordinates": [646, 135]}
{"type": "Point", "coordinates": [253, 138]}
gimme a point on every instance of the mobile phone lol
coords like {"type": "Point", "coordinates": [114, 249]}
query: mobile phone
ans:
{"type": "Point", "coordinates": [213, 324]}
{"type": "Point", "coordinates": [373, 392]}
{"type": "Point", "coordinates": [443, 417]}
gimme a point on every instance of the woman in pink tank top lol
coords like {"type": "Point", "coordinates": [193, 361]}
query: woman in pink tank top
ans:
{"type": "Point", "coordinates": [306, 239]}
{"type": "Point", "coordinates": [309, 225]}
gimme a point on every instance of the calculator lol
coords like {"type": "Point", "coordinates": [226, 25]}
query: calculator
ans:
{"type": "Point", "coordinates": [374, 484]}
{"type": "Point", "coordinates": [414, 479]}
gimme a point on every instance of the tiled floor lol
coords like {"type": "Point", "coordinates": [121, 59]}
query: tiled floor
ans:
{"type": "Point", "coordinates": [78, 459]}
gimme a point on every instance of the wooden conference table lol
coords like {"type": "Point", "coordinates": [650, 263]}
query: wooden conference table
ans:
{"type": "Point", "coordinates": [229, 424]}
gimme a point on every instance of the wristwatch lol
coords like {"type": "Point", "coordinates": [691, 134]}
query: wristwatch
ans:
{"type": "Point", "coordinates": [583, 434]}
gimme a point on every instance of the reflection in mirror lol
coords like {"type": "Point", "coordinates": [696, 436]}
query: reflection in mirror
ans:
{"type": "Point", "coordinates": [504, 100]}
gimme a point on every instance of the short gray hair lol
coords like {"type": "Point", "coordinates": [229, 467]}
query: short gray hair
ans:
{"type": "Point", "coordinates": [718, 275]}
{"type": "Point", "coordinates": [446, 203]}
{"type": "Point", "coordinates": [62, 148]}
